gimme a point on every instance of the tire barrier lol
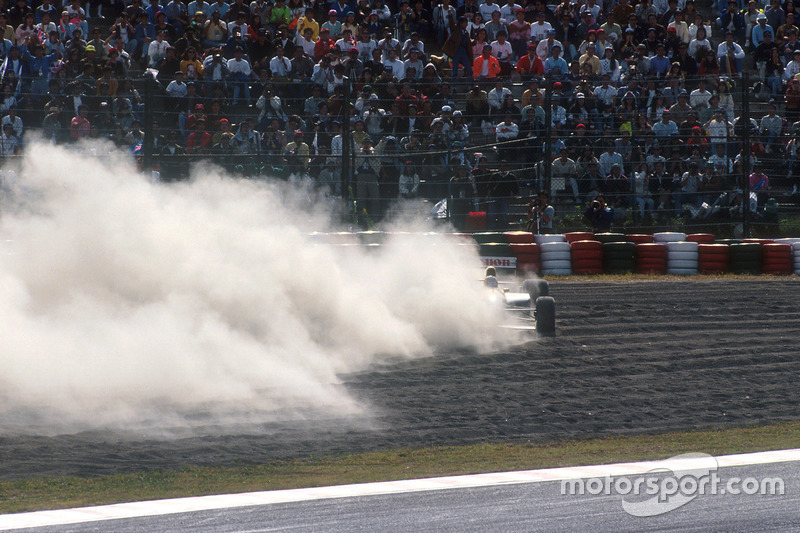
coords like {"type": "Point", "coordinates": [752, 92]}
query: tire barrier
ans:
{"type": "Point", "coordinates": [639, 239]}
{"type": "Point", "coordinates": [518, 236]}
{"type": "Point", "coordinates": [609, 237]}
{"type": "Point", "coordinates": [587, 257]}
{"type": "Point", "coordinates": [796, 257]}
{"type": "Point", "coordinates": [486, 237]}
{"type": "Point", "coordinates": [651, 258]}
{"type": "Point", "coordinates": [556, 258]}
{"type": "Point", "coordinates": [777, 259]}
{"type": "Point", "coordinates": [713, 258]}
{"type": "Point", "coordinates": [495, 249]}
{"type": "Point", "coordinates": [542, 239]}
{"type": "Point", "coordinates": [701, 238]}
{"type": "Point", "coordinates": [669, 236]}
{"type": "Point", "coordinates": [682, 258]}
{"type": "Point", "coordinates": [587, 253]}
{"type": "Point", "coordinates": [528, 256]}
{"type": "Point", "coordinates": [619, 257]}
{"type": "Point", "coordinates": [579, 236]}
{"type": "Point", "coordinates": [746, 258]}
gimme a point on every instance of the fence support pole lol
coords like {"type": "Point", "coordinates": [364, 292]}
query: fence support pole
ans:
{"type": "Point", "coordinates": [745, 156]}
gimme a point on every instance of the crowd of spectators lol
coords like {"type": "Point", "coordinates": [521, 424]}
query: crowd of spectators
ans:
{"type": "Point", "coordinates": [639, 104]}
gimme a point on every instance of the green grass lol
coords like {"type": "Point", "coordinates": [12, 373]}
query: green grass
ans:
{"type": "Point", "coordinates": [54, 493]}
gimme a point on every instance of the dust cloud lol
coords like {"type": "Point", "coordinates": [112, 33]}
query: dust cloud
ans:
{"type": "Point", "coordinates": [128, 304]}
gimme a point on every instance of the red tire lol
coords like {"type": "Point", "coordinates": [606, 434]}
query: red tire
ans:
{"type": "Point", "coordinates": [639, 238]}
{"type": "Point", "coordinates": [587, 264]}
{"type": "Point", "coordinates": [713, 258]}
{"type": "Point", "coordinates": [701, 238]}
{"type": "Point", "coordinates": [586, 245]}
{"type": "Point", "coordinates": [761, 241]}
{"type": "Point", "coordinates": [521, 237]}
{"type": "Point", "coordinates": [648, 254]}
{"type": "Point", "coordinates": [712, 268]}
{"type": "Point", "coordinates": [777, 248]}
{"type": "Point", "coordinates": [520, 248]}
{"type": "Point", "coordinates": [652, 246]}
{"type": "Point", "coordinates": [652, 264]}
{"type": "Point", "coordinates": [579, 236]}
{"type": "Point", "coordinates": [777, 265]}
{"type": "Point", "coordinates": [587, 254]}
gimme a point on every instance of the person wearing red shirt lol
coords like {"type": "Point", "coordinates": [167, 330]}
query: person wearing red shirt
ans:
{"type": "Point", "coordinates": [530, 64]}
{"type": "Point", "coordinates": [324, 45]}
{"type": "Point", "coordinates": [199, 140]}
{"type": "Point", "coordinates": [486, 66]}
{"type": "Point", "coordinates": [80, 126]}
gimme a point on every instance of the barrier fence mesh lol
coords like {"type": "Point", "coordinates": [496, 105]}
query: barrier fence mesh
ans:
{"type": "Point", "coordinates": [661, 152]}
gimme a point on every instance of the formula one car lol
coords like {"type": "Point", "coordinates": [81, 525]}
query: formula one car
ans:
{"type": "Point", "coordinates": [530, 304]}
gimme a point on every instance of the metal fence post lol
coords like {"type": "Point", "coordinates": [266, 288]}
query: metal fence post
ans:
{"type": "Point", "coordinates": [745, 156]}
{"type": "Point", "coordinates": [548, 138]}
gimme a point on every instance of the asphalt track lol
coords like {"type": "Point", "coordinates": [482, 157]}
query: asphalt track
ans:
{"type": "Point", "coordinates": [503, 504]}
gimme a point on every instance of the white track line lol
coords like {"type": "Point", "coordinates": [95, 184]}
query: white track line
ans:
{"type": "Point", "coordinates": [227, 501]}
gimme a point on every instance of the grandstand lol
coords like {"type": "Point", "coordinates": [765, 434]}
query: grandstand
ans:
{"type": "Point", "coordinates": [698, 104]}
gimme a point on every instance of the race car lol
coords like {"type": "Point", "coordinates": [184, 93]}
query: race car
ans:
{"type": "Point", "coordinates": [530, 305]}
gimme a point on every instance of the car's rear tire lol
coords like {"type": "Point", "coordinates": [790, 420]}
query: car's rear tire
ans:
{"type": "Point", "coordinates": [545, 315]}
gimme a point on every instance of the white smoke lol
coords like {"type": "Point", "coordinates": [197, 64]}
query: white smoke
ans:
{"type": "Point", "coordinates": [132, 304]}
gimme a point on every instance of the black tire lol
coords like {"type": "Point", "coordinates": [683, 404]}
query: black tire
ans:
{"type": "Point", "coordinates": [536, 288]}
{"type": "Point", "coordinates": [610, 237]}
{"type": "Point", "coordinates": [545, 315]}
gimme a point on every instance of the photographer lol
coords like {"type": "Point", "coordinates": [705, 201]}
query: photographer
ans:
{"type": "Point", "coordinates": [540, 214]}
{"type": "Point", "coordinates": [598, 215]}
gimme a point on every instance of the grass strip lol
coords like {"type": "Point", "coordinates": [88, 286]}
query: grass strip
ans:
{"type": "Point", "coordinates": [64, 492]}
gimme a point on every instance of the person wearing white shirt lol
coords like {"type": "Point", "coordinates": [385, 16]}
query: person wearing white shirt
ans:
{"type": "Point", "coordinates": [240, 71]}
{"type": "Point", "coordinates": [487, 9]}
{"type": "Point", "coordinates": [545, 47]}
{"type": "Point", "coordinates": [501, 49]}
{"type": "Point", "coordinates": [681, 28]}
{"type": "Point", "coordinates": [306, 41]}
{"type": "Point", "coordinates": [509, 11]}
{"type": "Point", "coordinates": [280, 66]}
{"type": "Point", "coordinates": [700, 96]}
{"type": "Point", "coordinates": [395, 65]}
{"type": "Point", "coordinates": [540, 28]}
{"type": "Point", "coordinates": [157, 49]}
{"type": "Point", "coordinates": [793, 67]}
{"type": "Point", "coordinates": [730, 55]}
{"type": "Point", "coordinates": [497, 95]}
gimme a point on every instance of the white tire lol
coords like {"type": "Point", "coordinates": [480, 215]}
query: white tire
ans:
{"type": "Point", "coordinates": [562, 246]}
{"type": "Point", "coordinates": [555, 256]}
{"type": "Point", "coordinates": [686, 256]}
{"type": "Point", "coordinates": [557, 272]}
{"type": "Point", "coordinates": [681, 264]}
{"type": "Point", "coordinates": [788, 240]}
{"type": "Point", "coordinates": [668, 236]}
{"type": "Point", "coordinates": [541, 239]}
{"type": "Point", "coordinates": [682, 246]}
{"type": "Point", "coordinates": [560, 264]}
{"type": "Point", "coordinates": [682, 271]}
{"type": "Point", "coordinates": [796, 247]}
